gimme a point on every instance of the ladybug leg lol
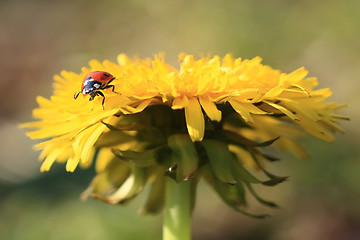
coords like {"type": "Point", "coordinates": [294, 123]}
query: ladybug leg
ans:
{"type": "Point", "coordinates": [110, 80]}
{"type": "Point", "coordinates": [113, 88]}
{"type": "Point", "coordinates": [103, 101]}
{"type": "Point", "coordinates": [76, 95]}
{"type": "Point", "coordinates": [110, 86]}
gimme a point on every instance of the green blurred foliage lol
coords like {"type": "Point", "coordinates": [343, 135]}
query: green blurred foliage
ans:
{"type": "Point", "coordinates": [40, 38]}
{"type": "Point", "coordinates": [50, 208]}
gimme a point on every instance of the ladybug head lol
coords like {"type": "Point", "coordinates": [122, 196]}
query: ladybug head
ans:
{"type": "Point", "coordinates": [90, 88]}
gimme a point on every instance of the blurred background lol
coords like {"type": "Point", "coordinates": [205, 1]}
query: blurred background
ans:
{"type": "Point", "coordinates": [40, 38]}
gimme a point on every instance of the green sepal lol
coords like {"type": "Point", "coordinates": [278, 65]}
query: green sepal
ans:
{"type": "Point", "coordinates": [274, 181]}
{"type": "Point", "coordinates": [139, 159]}
{"type": "Point", "coordinates": [112, 139]}
{"type": "Point", "coordinates": [259, 199]}
{"type": "Point", "coordinates": [259, 216]}
{"type": "Point", "coordinates": [237, 139]}
{"type": "Point", "coordinates": [128, 127]}
{"type": "Point", "coordinates": [220, 159]}
{"type": "Point", "coordinates": [232, 195]}
{"type": "Point", "coordinates": [231, 117]}
{"type": "Point", "coordinates": [156, 198]}
{"type": "Point", "coordinates": [163, 155]}
{"type": "Point", "coordinates": [117, 172]}
{"type": "Point", "coordinates": [241, 192]}
{"type": "Point", "coordinates": [153, 136]}
{"type": "Point", "coordinates": [106, 181]}
{"type": "Point", "coordinates": [267, 143]}
{"type": "Point", "coordinates": [273, 178]}
{"type": "Point", "coordinates": [241, 174]}
{"type": "Point", "coordinates": [240, 140]}
{"type": "Point", "coordinates": [184, 156]}
{"type": "Point", "coordinates": [270, 157]}
{"type": "Point", "coordinates": [133, 185]}
{"type": "Point", "coordinates": [144, 133]}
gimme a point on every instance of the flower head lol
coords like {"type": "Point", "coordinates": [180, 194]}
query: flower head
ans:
{"type": "Point", "coordinates": [208, 118]}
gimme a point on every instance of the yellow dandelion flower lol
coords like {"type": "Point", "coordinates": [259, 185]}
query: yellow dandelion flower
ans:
{"type": "Point", "coordinates": [208, 118]}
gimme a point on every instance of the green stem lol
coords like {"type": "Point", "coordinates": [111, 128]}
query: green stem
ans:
{"type": "Point", "coordinates": [177, 213]}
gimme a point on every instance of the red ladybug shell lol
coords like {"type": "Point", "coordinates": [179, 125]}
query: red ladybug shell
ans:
{"type": "Point", "coordinates": [98, 76]}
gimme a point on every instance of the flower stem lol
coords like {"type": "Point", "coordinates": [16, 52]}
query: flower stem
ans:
{"type": "Point", "coordinates": [177, 213]}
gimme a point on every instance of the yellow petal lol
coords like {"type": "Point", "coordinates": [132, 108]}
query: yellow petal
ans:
{"type": "Point", "coordinates": [302, 108]}
{"type": "Point", "coordinates": [123, 59]}
{"type": "Point", "coordinates": [294, 93]}
{"type": "Point", "coordinates": [283, 110]}
{"type": "Point", "coordinates": [253, 109]}
{"type": "Point", "coordinates": [210, 109]}
{"type": "Point", "coordinates": [295, 76]}
{"type": "Point", "coordinates": [96, 65]}
{"type": "Point", "coordinates": [43, 102]}
{"type": "Point", "coordinates": [50, 159]}
{"type": "Point", "coordinates": [180, 102]}
{"type": "Point", "coordinates": [138, 108]}
{"type": "Point", "coordinates": [242, 110]}
{"type": "Point", "coordinates": [315, 129]}
{"type": "Point", "coordinates": [274, 92]}
{"type": "Point", "coordinates": [71, 164]}
{"type": "Point", "coordinates": [243, 155]}
{"type": "Point", "coordinates": [194, 120]}
{"type": "Point", "coordinates": [105, 154]}
{"type": "Point", "coordinates": [90, 141]}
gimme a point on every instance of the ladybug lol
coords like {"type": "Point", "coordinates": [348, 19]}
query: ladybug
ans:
{"type": "Point", "coordinates": [94, 82]}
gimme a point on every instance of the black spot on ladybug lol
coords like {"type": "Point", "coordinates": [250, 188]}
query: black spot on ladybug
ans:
{"type": "Point", "coordinates": [87, 79]}
{"type": "Point", "coordinates": [106, 74]}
